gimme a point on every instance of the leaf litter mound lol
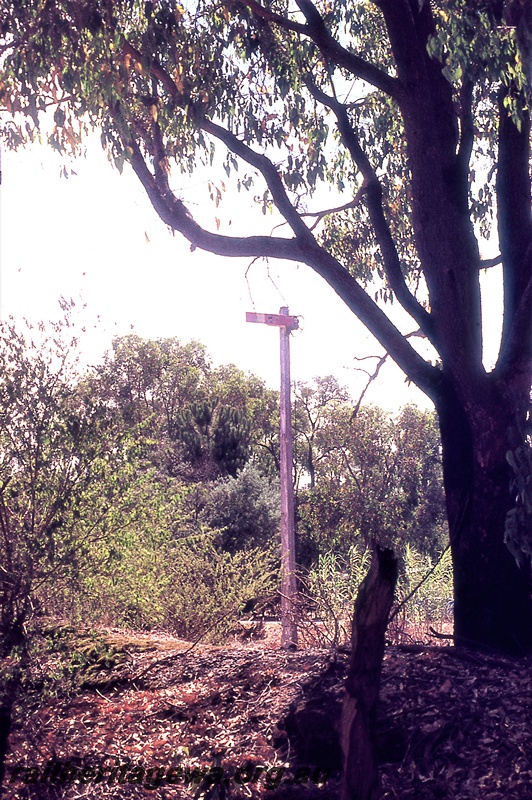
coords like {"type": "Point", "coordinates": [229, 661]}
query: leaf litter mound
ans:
{"type": "Point", "coordinates": [164, 719]}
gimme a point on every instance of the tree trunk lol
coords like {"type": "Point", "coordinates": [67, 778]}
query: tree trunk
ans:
{"type": "Point", "coordinates": [492, 603]}
{"type": "Point", "coordinates": [372, 607]}
{"type": "Point", "coordinates": [10, 685]}
{"type": "Point", "coordinates": [7, 700]}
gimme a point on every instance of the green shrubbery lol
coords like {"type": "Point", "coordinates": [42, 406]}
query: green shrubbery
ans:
{"type": "Point", "coordinates": [426, 586]}
{"type": "Point", "coordinates": [117, 511]}
{"type": "Point", "coordinates": [423, 597]}
{"type": "Point", "coordinates": [245, 510]}
{"type": "Point", "coordinates": [188, 587]}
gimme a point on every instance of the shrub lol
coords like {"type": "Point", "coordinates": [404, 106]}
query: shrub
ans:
{"type": "Point", "coordinates": [432, 602]}
{"type": "Point", "coordinates": [209, 587]}
{"type": "Point", "coordinates": [187, 586]}
{"type": "Point", "coordinates": [331, 588]}
{"type": "Point", "coordinates": [245, 509]}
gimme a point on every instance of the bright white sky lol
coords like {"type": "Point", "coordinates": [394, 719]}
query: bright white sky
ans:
{"type": "Point", "coordinates": [95, 236]}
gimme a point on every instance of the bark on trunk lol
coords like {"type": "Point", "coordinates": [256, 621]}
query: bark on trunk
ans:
{"type": "Point", "coordinates": [372, 607]}
{"type": "Point", "coordinates": [492, 603]}
{"type": "Point", "coordinates": [6, 714]}
{"type": "Point", "coordinates": [9, 692]}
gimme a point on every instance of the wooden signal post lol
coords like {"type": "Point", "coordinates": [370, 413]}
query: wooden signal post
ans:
{"type": "Point", "coordinates": [286, 324]}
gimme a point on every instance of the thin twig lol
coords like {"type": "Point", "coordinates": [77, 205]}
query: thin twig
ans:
{"type": "Point", "coordinates": [328, 211]}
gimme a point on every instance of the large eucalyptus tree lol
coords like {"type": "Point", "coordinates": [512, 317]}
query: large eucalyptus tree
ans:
{"type": "Point", "coordinates": [415, 112]}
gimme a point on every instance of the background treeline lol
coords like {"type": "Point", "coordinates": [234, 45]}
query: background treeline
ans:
{"type": "Point", "coordinates": [143, 492]}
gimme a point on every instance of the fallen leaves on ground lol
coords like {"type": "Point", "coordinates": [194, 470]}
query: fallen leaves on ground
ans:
{"type": "Point", "coordinates": [249, 721]}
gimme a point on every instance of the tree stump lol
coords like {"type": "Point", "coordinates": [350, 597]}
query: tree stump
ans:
{"type": "Point", "coordinates": [359, 715]}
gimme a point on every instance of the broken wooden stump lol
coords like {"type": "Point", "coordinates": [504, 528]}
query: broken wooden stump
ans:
{"type": "Point", "coordinates": [359, 715]}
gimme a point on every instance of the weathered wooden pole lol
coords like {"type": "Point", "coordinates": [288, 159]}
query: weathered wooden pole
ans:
{"type": "Point", "coordinates": [288, 538]}
{"type": "Point", "coordinates": [286, 324]}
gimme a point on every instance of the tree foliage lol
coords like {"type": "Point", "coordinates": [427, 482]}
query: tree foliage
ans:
{"type": "Point", "coordinates": [65, 471]}
{"type": "Point", "coordinates": [197, 422]}
{"type": "Point", "coordinates": [315, 410]}
{"type": "Point", "coordinates": [94, 525]}
{"type": "Point", "coordinates": [246, 511]}
{"type": "Point", "coordinates": [377, 479]}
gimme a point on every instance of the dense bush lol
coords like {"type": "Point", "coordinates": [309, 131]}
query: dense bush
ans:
{"type": "Point", "coordinates": [111, 514]}
{"type": "Point", "coordinates": [186, 586]}
{"type": "Point", "coordinates": [375, 477]}
{"type": "Point", "coordinates": [65, 471]}
{"type": "Point", "coordinates": [424, 592]}
{"type": "Point", "coordinates": [331, 587]}
{"type": "Point", "coordinates": [245, 509]}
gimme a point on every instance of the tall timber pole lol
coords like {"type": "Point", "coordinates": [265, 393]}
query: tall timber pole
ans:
{"type": "Point", "coordinates": [286, 325]}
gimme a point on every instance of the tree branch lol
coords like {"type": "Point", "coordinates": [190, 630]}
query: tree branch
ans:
{"type": "Point", "coordinates": [381, 360]}
{"type": "Point", "coordinates": [423, 374]}
{"type": "Point", "coordinates": [331, 49]}
{"type": "Point", "coordinates": [487, 263]}
{"type": "Point", "coordinates": [232, 142]}
{"type": "Point", "coordinates": [467, 127]}
{"type": "Point", "coordinates": [268, 171]}
{"type": "Point", "coordinates": [281, 200]}
{"type": "Point", "coordinates": [303, 248]}
{"type": "Point", "coordinates": [271, 16]}
{"type": "Point", "coordinates": [373, 193]}
{"type": "Point", "coordinates": [334, 52]}
{"type": "Point", "coordinates": [173, 213]}
{"type": "Point", "coordinates": [328, 211]}
{"type": "Point", "coordinates": [156, 70]}
{"type": "Point", "coordinates": [371, 377]}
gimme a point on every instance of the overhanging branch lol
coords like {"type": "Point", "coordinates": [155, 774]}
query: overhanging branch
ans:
{"type": "Point", "coordinates": [373, 195]}
{"type": "Point", "coordinates": [361, 304]}
{"type": "Point", "coordinates": [316, 30]}
{"type": "Point", "coordinates": [174, 213]}
{"type": "Point", "coordinates": [302, 248]}
{"type": "Point", "coordinates": [268, 171]}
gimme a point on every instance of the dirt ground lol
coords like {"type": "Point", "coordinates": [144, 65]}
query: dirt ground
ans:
{"type": "Point", "coordinates": [158, 717]}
